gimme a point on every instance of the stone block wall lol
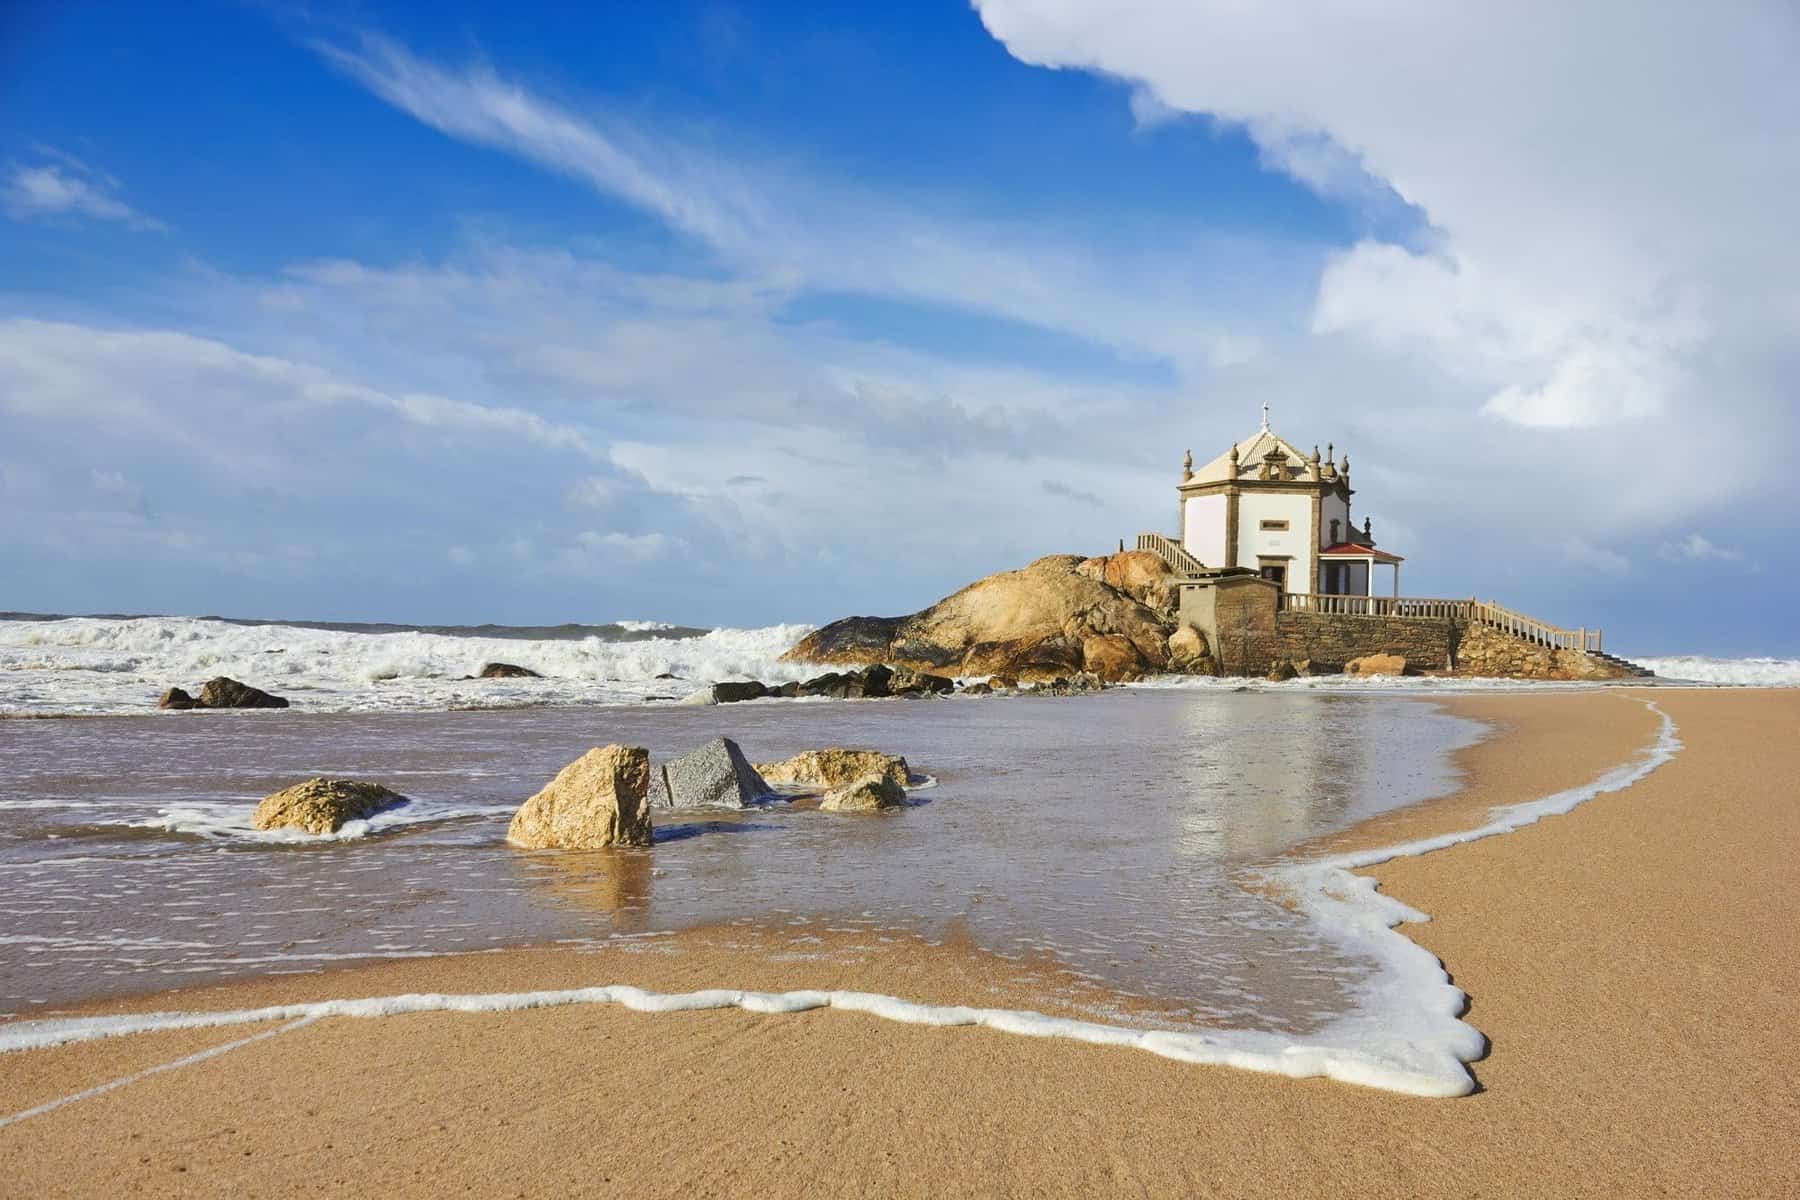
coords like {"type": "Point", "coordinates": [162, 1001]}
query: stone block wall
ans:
{"type": "Point", "coordinates": [1331, 640]}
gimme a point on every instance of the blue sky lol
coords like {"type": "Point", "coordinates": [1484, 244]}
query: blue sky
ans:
{"type": "Point", "coordinates": [740, 313]}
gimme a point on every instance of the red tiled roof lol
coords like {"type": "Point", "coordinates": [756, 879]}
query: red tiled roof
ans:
{"type": "Point", "coordinates": [1352, 550]}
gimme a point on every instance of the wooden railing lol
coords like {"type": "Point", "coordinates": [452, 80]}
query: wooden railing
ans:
{"type": "Point", "coordinates": [1514, 624]}
{"type": "Point", "coordinates": [1588, 641]}
{"type": "Point", "coordinates": [1177, 559]}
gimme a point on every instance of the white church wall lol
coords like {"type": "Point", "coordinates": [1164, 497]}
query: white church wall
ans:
{"type": "Point", "coordinates": [1255, 508]}
{"type": "Point", "coordinates": [1206, 529]}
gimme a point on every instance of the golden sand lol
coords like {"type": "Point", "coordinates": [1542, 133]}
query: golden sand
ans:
{"type": "Point", "coordinates": [1633, 962]}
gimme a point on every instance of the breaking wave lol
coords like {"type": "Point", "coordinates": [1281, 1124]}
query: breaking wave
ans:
{"type": "Point", "coordinates": [120, 665]}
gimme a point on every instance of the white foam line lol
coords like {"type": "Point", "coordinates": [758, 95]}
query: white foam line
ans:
{"type": "Point", "coordinates": [1405, 1035]}
{"type": "Point", "coordinates": [187, 1061]}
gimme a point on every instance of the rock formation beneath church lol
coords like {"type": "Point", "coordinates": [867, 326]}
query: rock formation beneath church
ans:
{"type": "Point", "coordinates": [1058, 616]}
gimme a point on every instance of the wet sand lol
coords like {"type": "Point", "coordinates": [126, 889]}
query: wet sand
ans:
{"type": "Point", "coordinates": [1633, 963]}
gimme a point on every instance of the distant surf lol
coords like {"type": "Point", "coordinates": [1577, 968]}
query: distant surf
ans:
{"type": "Point", "coordinates": [100, 665]}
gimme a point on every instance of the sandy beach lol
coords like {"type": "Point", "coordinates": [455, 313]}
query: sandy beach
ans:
{"type": "Point", "coordinates": [1632, 963]}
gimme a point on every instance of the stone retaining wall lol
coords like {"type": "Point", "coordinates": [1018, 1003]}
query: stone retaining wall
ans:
{"type": "Point", "coordinates": [1331, 640]}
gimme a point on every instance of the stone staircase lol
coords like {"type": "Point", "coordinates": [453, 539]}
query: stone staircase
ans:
{"type": "Point", "coordinates": [1624, 664]}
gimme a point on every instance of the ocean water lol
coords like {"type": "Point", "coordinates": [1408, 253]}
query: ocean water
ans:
{"type": "Point", "coordinates": [92, 665]}
{"type": "Point", "coordinates": [1106, 830]}
{"type": "Point", "coordinates": [1115, 833]}
{"type": "Point", "coordinates": [120, 665]}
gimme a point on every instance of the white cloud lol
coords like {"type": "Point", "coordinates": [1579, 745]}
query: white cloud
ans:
{"type": "Point", "coordinates": [1697, 549]}
{"type": "Point", "coordinates": [68, 188]}
{"type": "Point", "coordinates": [156, 382]}
{"type": "Point", "coordinates": [1602, 178]}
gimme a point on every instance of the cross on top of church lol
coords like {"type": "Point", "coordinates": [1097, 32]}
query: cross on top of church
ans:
{"type": "Point", "coordinates": [1265, 417]}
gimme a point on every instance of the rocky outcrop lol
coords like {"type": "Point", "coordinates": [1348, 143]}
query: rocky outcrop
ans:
{"type": "Point", "coordinates": [323, 805]}
{"type": "Point", "coordinates": [500, 670]}
{"type": "Point", "coordinates": [1140, 574]}
{"type": "Point", "coordinates": [1282, 671]}
{"type": "Point", "coordinates": [1056, 617]}
{"type": "Point", "coordinates": [869, 794]}
{"type": "Point", "coordinates": [1376, 664]}
{"type": "Point", "coordinates": [717, 775]}
{"type": "Point", "coordinates": [600, 799]}
{"type": "Point", "coordinates": [220, 692]}
{"type": "Point", "coordinates": [835, 767]}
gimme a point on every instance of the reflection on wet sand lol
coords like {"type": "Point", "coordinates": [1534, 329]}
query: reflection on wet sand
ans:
{"type": "Point", "coordinates": [615, 881]}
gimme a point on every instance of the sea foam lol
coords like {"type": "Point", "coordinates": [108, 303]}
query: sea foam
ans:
{"type": "Point", "coordinates": [1404, 1034]}
{"type": "Point", "coordinates": [105, 665]}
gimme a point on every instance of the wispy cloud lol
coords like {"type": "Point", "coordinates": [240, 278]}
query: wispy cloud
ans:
{"type": "Point", "coordinates": [795, 228]}
{"type": "Point", "coordinates": [1054, 487]}
{"type": "Point", "coordinates": [67, 187]}
{"type": "Point", "coordinates": [1697, 549]}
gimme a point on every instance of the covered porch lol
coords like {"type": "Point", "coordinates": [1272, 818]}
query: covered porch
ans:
{"type": "Point", "coordinates": [1348, 569]}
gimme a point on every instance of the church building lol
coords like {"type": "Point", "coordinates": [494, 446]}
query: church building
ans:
{"type": "Point", "coordinates": [1268, 506]}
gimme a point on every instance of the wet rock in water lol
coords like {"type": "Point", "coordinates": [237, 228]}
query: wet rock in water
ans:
{"type": "Point", "coordinates": [1002, 683]}
{"type": "Point", "coordinates": [222, 692]}
{"type": "Point", "coordinates": [835, 767]}
{"type": "Point", "coordinates": [717, 775]}
{"type": "Point", "coordinates": [667, 675]}
{"type": "Point", "coordinates": [600, 799]}
{"type": "Point", "coordinates": [732, 692]}
{"type": "Point", "coordinates": [702, 697]}
{"type": "Point", "coordinates": [500, 670]}
{"type": "Point", "coordinates": [177, 699]}
{"type": "Point", "coordinates": [877, 681]}
{"type": "Point", "coordinates": [324, 805]}
{"type": "Point", "coordinates": [978, 689]}
{"type": "Point", "coordinates": [834, 685]}
{"type": "Point", "coordinates": [906, 682]}
{"type": "Point", "coordinates": [1282, 672]}
{"type": "Point", "coordinates": [1376, 664]}
{"type": "Point", "coordinates": [869, 794]}
{"type": "Point", "coordinates": [787, 691]}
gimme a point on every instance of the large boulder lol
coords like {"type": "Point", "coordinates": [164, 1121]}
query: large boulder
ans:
{"type": "Point", "coordinates": [1140, 574]}
{"type": "Point", "coordinates": [1376, 664]}
{"type": "Point", "coordinates": [717, 775]}
{"type": "Point", "coordinates": [868, 794]}
{"type": "Point", "coordinates": [835, 767]}
{"type": "Point", "coordinates": [178, 699]}
{"type": "Point", "coordinates": [600, 799]}
{"type": "Point", "coordinates": [500, 670]}
{"type": "Point", "coordinates": [1187, 647]}
{"type": "Point", "coordinates": [323, 805]}
{"type": "Point", "coordinates": [222, 692]}
{"type": "Point", "coordinates": [1033, 623]}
